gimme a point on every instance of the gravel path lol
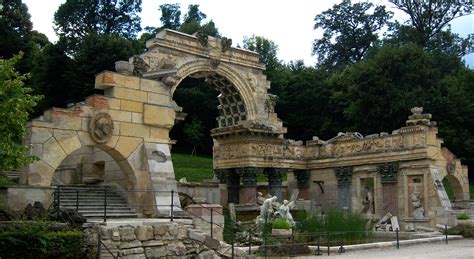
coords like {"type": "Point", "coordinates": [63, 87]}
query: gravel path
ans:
{"type": "Point", "coordinates": [454, 250]}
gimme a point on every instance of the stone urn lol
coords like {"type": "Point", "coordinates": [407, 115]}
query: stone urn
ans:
{"type": "Point", "coordinates": [124, 67]}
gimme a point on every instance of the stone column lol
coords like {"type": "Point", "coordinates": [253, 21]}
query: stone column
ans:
{"type": "Point", "coordinates": [302, 182]}
{"type": "Point", "coordinates": [344, 180]}
{"type": "Point", "coordinates": [233, 186]}
{"type": "Point", "coordinates": [221, 174]}
{"type": "Point", "coordinates": [248, 190]}
{"type": "Point", "coordinates": [275, 181]}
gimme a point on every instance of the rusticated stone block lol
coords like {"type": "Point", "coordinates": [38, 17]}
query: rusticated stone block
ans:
{"type": "Point", "coordinates": [105, 232]}
{"type": "Point", "coordinates": [132, 244]}
{"type": "Point", "coordinates": [160, 230]}
{"type": "Point", "coordinates": [132, 251]}
{"type": "Point", "coordinates": [176, 248]}
{"type": "Point", "coordinates": [155, 252]}
{"type": "Point", "coordinates": [144, 233]}
{"type": "Point", "coordinates": [127, 233]}
{"type": "Point", "coordinates": [173, 229]}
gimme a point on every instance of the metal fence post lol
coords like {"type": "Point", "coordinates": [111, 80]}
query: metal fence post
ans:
{"type": "Point", "coordinates": [212, 222]}
{"type": "Point", "coordinates": [105, 205]}
{"type": "Point", "coordinates": [293, 241]}
{"type": "Point", "coordinates": [318, 250]}
{"type": "Point", "coordinates": [329, 244]}
{"type": "Point", "coordinates": [232, 240]}
{"type": "Point", "coordinates": [172, 203]}
{"type": "Point", "coordinates": [97, 256]}
{"type": "Point", "coordinates": [398, 240]}
{"type": "Point", "coordinates": [58, 201]}
{"type": "Point", "coordinates": [446, 232]}
{"type": "Point", "coordinates": [250, 241]}
{"type": "Point", "coordinates": [341, 248]}
{"type": "Point", "coordinates": [77, 200]}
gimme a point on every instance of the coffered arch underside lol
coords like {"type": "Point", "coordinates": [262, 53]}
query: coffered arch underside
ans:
{"type": "Point", "coordinates": [242, 84]}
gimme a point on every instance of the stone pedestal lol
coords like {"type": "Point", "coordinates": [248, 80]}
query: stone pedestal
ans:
{"type": "Point", "coordinates": [248, 195]}
{"type": "Point", "coordinates": [248, 190]}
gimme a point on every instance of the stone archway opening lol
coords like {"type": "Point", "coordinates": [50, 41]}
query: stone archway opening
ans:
{"type": "Point", "coordinates": [454, 189]}
{"type": "Point", "coordinates": [90, 165]}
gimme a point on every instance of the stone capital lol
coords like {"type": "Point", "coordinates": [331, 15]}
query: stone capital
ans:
{"type": "Point", "coordinates": [388, 172]}
{"type": "Point", "coordinates": [344, 175]}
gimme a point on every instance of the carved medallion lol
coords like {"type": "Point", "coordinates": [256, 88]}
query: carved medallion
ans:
{"type": "Point", "coordinates": [101, 127]}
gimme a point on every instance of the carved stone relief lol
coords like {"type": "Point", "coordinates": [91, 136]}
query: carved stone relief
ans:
{"type": "Point", "coordinates": [344, 175]}
{"type": "Point", "coordinates": [101, 127]}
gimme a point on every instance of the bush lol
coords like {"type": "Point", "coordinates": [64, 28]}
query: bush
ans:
{"type": "Point", "coordinates": [466, 231]}
{"type": "Point", "coordinates": [281, 224]}
{"type": "Point", "coordinates": [462, 216]}
{"type": "Point", "coordinates": [36, 240]}
{"type": "Point", "coordinates": [348, 225]}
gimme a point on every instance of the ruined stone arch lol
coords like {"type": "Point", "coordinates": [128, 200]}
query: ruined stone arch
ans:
{"type": "Point", "coordinates": [243, 86]}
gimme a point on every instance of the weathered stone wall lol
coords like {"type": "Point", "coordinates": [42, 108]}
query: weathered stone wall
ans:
{"type": "Point", "coordinates": [150, 239]}
{"type": "Point", "coordinates": [18, 197]}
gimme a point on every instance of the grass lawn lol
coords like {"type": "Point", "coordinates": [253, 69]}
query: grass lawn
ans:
{"type": "Point", "coordinates": [194, 168]}
{"type": "Point", "coordinates": [198, 168]}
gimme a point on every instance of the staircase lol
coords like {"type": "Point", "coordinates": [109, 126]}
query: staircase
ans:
{"type": "Point", "coordinates": [89, 201]}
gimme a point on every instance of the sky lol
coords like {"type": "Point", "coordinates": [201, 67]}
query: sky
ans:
{"type": "Point", "coordinates": [288, 23]}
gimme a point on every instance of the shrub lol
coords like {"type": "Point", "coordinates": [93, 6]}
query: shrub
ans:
{"type": "Point", "coordinates": [466, 231]}
{"type": "Point", "coordinates": [346, 225]}
{"type": "Point", "coordinates": [36, 240]}
{"type": "Point", "coordinates": [462, 216]}
{"type": "Point", "coordinates": [281, 224]}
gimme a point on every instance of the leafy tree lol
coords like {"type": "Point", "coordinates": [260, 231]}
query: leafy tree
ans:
{"type": "Point", "coordinates": [15, 27]}
{"type": "Point", "coordinates": [170, 16]}
{"type": "Point", "coordinates": [193, 22]}
{"type": "Point", "coordinates": [75, 19]}
{"type": "Point", "coordinates": [194, 132]}
{"type": "Point", "coordinates": [267, 49]}
{"type": "Point", "coordinates": [349, 30]}
{"type": "Point", "coordinates": [15, 103]}
{"type": "Point", "coordinates": [428, 18]}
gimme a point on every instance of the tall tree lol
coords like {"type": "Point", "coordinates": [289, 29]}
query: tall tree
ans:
{"type": "Point", "coordinates": [267, 50]}
{"type": "Point", "coordinates": [15, 28]}
{"type": "Point", "coordinates": [349, 30]}
{"type": "Point", "coordinates": [193, 23]}
{"type": "Point", "coordinates": [428, 18]}
{"type": "Point", "coordinates": [170, 16]}
{"type": "Point", "coordinates": [15, 104]}
{"type": "Point", "coordinates": [77, 18]}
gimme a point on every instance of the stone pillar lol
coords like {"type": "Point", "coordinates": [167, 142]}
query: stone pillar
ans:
{"type": "Point", "coordinates": [221, 174]}
{"type": "Point", "coordinates": [275, 181]}
{"type": "Point", "coordinates": [388, 174]}
{"type": "Point", "coordinates": [344, 180]}
{"type": "Point", "coordinates": [302, 182]}
{"type": "Point", "coordinates": [248, 190]}
{"type": "Point", "coordinates": [233, 183]}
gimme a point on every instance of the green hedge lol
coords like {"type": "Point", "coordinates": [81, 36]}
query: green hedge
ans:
{"type": "Point", "coordinates": [36, 240]}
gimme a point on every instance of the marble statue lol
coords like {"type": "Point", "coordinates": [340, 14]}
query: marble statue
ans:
{"type": "Point", "coordinates": [284, 211]}
{"type": "Point", "coordinates": [418, 210]}
{"type": "Point", "coordinates": [266, 212]}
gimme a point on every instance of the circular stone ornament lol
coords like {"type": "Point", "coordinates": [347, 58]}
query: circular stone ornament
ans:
{"type": "Point", "coordinates": [101, 127]}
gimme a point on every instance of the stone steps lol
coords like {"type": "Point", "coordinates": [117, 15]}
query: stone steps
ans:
{"type": "Point", "coordinates": [91, 202]}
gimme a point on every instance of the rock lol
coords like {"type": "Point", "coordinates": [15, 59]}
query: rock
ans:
{"type": "Point", "coordinates": [152, 243]}
{"type": "Point", "coordinates": [127, 233]}
{"type": "Point", "coordinates": [105, 232]}
{"type": "Point", "coordinates": [208, 255]}
{"type": "Point", "coordinates": [195, 235]}
{"type": "Point", "coordinates": [132, 251]}
{"type": "Point", "coordinates": [155, 252]}
{"type": "Point", "coordinates": [212, 243]}
{"type": "Point", "coordinates": [173, 229]}
{"type": "Point", "coordinates": [176, 248]}
{"type": "Point", "coordinates": [115, 234]}
{"type": "Point", "coordinates": [144, 233]}
{"type": "Point", "coordinates": [136, 256]}
{"type": "Point", "coordinates": [160, 230]}
{"type": "Point", "coordinates": [132, 244]}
